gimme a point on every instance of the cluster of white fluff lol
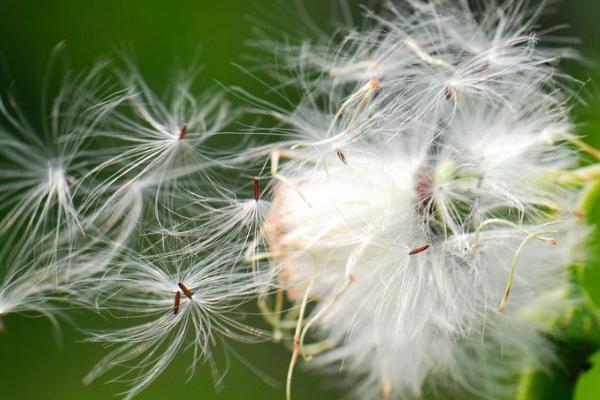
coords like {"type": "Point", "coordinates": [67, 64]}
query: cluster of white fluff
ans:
{"type": "Point", "coordinates": [412, 220]}
{"type": "Point", "coordinates": [418, 208]}
{"type": "Point", "coordinates": [100, 207]}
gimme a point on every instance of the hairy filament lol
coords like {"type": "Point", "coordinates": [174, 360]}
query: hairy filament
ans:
{"type": "Point", "coordinates": [513, 267]}
{"type": "Point", "coordinates": [586, 147]}
{"type": "Point", "coordinates": [296, 350]}
{"type": "Point", "coordinates": [323, 310]}
{"type": "Point", "coordinates": [412, 45]}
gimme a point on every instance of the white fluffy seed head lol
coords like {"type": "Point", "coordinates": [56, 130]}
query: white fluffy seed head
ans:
{"type": "Point", "coordinates": [422, 214]}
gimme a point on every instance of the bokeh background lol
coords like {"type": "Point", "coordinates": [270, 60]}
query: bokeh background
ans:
{"type": "Point", "coordinates": [37, 362]}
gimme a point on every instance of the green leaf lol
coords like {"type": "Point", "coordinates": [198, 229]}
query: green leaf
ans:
{"type": "Point", "coordinates": [557, 381]}
{"type": "Point", "coordinates": [588, 384]}
{"type": "Point", "coordinates": [590, 281]}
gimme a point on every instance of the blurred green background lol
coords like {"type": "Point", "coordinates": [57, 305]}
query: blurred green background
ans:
{"type": "Point", "coordinates": [35, 363]}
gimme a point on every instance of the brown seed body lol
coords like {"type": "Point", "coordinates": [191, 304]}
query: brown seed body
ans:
{"type": "Point", "coordinates": [341, 156]}
{"type": "Point", "coordinates": [256, 188]}
{"type": "Point", "coordinates": [177, 302]}
{"type": "Point", "coordinates": [183, 132]}
{"type": "Point", "coordinates": [448, 93]}
{"type": "Point", "coordinates": [185, 290]}
{"type": "Point", "coordinates": [70, 182]}
{"type": "Point", "coordinates": [418, 250]}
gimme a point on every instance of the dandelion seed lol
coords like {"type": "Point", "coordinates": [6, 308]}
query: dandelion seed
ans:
{"type": "Point", "coordinates": [256, 188]}
{"type": "Point", "coordinates": [448, 93]}
{"type": "Point", "coordinates": [341, 156]}
{"type": "Point", "coordinates": [177, 302]}
{"type": "Point", "coordinates": [418, 250]}
{"type": "Point", "coordinates": [41, 166]}
{"type": "Point", "coordinates": [183, 132]}
{"type": "Point", "coordinates": [147, 133]}
{"type": "Point", "coordinates": [185, 290]}
{"type": "Point", "coordinates": [145, 286]}
{"type": "Point", "coordinates": [37, 281]}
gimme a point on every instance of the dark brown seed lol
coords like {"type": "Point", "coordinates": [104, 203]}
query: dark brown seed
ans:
{"type": "Point", "coordinates": [418, 250]}
{"type": "Point", "coordinates": [341, 156]}
{"type": "Point", "coordinates": [177, 302]}
{"type": "Point", "coordinates": [183, 132]}
{"type": "Point", "coordinates": [448, 93]}
{"type": "Point", "coordinates": [256, 188]}
{"type": "Point", "coordinates": [70, 182]}
{"type": "Point", "coordinates": [185, 290]}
